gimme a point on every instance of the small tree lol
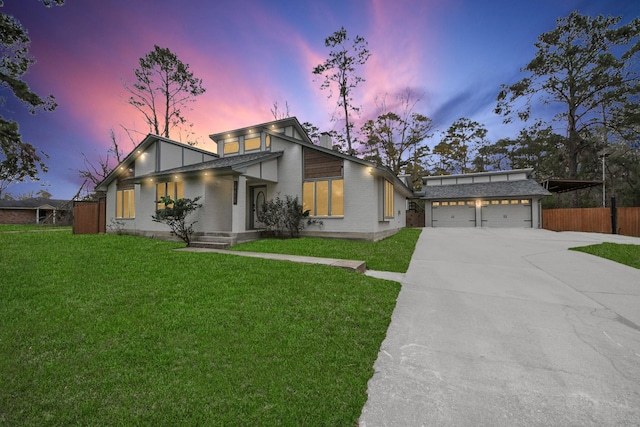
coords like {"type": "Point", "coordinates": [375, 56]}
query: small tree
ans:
{"type": "Point", "coordinates": [175, 215]}
{"type": "Point", "coordinates": [283, 217]}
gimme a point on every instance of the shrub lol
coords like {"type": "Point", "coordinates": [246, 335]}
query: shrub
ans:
{"type": "Point", "coordinates": [283, 217]}
{"type": "Point", "coordinates": [175, 214]}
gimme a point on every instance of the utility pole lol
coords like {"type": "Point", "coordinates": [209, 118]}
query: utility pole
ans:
{"type": "Point", "coordinates": [603, 156]}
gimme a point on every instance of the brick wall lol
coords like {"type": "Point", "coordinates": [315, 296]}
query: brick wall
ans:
{"type": "Point", "coordinates": [28, 216]}
{"type": "Point", "coordinates": [17, 216]}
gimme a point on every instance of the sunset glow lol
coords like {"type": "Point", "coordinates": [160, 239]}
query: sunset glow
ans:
{"type": "Point", "coordinates": [252, 53]}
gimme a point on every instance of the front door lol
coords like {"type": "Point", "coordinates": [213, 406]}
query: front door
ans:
{"type": "Point", "coordinates": [258, 197]}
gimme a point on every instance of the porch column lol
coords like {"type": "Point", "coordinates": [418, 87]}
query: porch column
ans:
{"type": "Point", "coordinates": [37, 215]}
{"type": "Point", "coordinates": [239, 206]}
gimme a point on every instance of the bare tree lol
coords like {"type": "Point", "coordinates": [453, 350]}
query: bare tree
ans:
{"type": "Point", "coordinates": [279, 115]}
{"type": "Point", "coordinates": [95, 173]}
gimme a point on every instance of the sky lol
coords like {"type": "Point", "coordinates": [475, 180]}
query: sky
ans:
{"type": "Point", "coordinates": [251, 54]}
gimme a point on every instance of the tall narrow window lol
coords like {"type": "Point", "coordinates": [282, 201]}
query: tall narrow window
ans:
{"type": "Point", "coordinates": [322, 198]}
{"type": "Point", "coordinates": [308, 197]}
{"type": "Point", "coordinates": [337, 197]}
{"type": "Point", "coordinates": [125, 204]}
{"type": "Point", "coordinates": [388, 199]}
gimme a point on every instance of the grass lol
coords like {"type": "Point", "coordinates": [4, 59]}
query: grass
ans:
{"type": "Point", "coordinates": [391, 254]}
{"type": "Point", "coordinates": [624, 254]}
{"type": "Point", "coordinates": [31, 227]}
{"type": "Point", "coordinates": [119, 330]}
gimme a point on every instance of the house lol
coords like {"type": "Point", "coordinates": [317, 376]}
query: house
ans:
{"type": "Point", "coordinates": [36, 210]}
{"type": "Point", "coordinates": [485, 199]}
{"type": "Point", "coordinates": [352, 197]}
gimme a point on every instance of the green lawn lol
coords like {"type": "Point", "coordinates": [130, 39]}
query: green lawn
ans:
{"type": "Point", "coordinates": [391, 254]}
{"type": "Point", "coordinates": [31, 227]}
{"type": "Point", "coordinates": [118, 330]}
{"type": "Point", "coordinates": [624, 254]}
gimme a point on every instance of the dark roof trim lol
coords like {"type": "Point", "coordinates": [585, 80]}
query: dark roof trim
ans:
{"type": "Point", "coordinates": [35, 203]}
{"type": "Point", "coordinates": [565, 185]}
{"type": "Point", "coordinates": [222, 165]}
{"type": "Point", "coordinates": [289, 121]}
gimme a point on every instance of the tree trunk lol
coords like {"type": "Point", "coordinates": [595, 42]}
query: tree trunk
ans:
{"type": "Point", "coordinates": [572, 154]}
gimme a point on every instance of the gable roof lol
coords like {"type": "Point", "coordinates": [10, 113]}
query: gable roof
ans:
{"type": "Point", "coordinates": [144, 144]}
{"type": "Point", "coordinates": [518, 188]}
{"type": "Point", "coordinates": [223, 164]}
{"type": "Point", "coordinates": [35, 203]}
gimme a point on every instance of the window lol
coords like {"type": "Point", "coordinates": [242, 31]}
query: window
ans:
{"type": "Point", "coordinates": [337, 197]}
{"type": "Point", "coordinates": [525, 201]}
{"type": "Point", "coordinates": [252, 143]}
{"type": "Point", "coordinates": [232, 146]}
{"type": "Point", "coordinates": [435, 204]}
{"type": "Point", "coordinates": [388, 199]}
{"type": "Point", "coordinates": [267, 141]}
{"type": "Point", "coordinates": [175, 190]}
{"type": "Point", "coordinates": [125, 204]}
{"type": "Point", "coordinates": [323, 197]}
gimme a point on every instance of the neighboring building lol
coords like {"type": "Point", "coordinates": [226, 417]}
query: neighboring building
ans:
{"type": "Point", "coordinates": [485, 199]}
{"type": "Point", "coordinates": [352, 197]}
{"type": "Point", "coordinates": [35, 211]}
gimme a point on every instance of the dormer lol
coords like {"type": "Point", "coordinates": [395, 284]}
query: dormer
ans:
{"type": "Point", "coordinates": [257, 138]}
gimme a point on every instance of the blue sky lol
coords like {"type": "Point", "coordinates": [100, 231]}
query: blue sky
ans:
{"type": "Point", "coordinates": [252, 53]}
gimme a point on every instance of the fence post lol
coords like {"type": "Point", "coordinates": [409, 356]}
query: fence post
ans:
{"type": "Point", "coordinates": [614, 216]}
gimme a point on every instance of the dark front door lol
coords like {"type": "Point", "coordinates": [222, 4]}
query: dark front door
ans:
{"type": "Point", "coordinates": [258, 197]}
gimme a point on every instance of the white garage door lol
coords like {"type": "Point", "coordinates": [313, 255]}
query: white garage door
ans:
{"type": "Point", "coordinates": [506, 213]}
{"type": "Point", "coordinates": [456, 213]}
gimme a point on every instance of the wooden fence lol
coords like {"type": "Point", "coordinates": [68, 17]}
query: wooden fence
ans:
{"type": "Point", "coordinates": [90, 217]}
{"type": "Point", "coordinates": [593, 220]}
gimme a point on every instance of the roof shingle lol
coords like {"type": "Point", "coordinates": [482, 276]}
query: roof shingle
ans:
{"type": "Point", "coordinates": [519, 188]}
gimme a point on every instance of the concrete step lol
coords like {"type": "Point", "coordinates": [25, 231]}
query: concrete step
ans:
{"type": "Point", "coordinates": [210, 245]}
{"type": "Point", "coordinates": [214, 238]}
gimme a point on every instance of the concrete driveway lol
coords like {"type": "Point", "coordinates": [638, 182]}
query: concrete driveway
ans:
{"type": "Point", "coordinates": [506, 327]}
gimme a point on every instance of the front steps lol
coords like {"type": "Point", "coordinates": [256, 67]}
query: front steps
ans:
{"type": "Point", "coordinates": [223, 240]}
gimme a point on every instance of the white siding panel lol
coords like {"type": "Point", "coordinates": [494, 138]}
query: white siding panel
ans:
{"type": "Point", "coordinates": [170, 156]}
{"type": "Point", "coordinates": [146, 162]}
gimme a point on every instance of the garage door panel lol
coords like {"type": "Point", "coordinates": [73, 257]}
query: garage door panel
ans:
{"type": "Point", "coordinates": [453, 214]}
{"type": "Point", "coordinates": [506, 213]}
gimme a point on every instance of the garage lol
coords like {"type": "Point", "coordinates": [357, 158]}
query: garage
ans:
{"type": "Point", "coordinates": [453, 213]}
{"type": "Point", "coordinates": [484, 199]}
{"type": "Point", "coordinates": [506, 213]}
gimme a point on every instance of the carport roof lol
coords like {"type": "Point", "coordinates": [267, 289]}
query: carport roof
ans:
{"type": "Point", "coordinates": [519, 188]}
